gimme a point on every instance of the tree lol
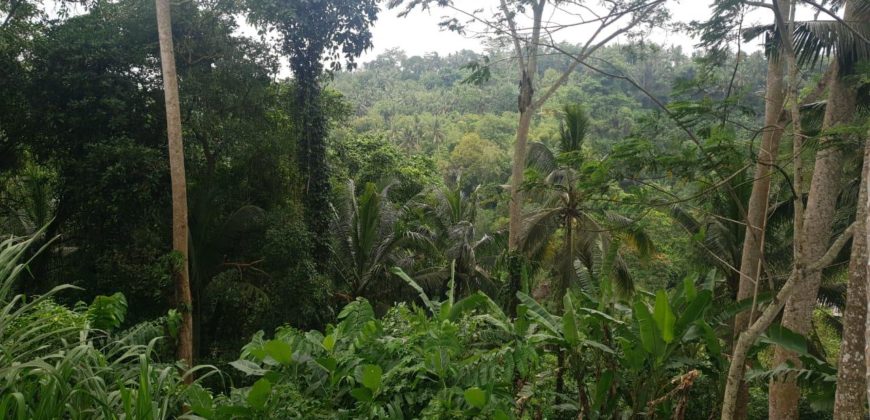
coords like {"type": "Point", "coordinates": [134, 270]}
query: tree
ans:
{"type": "Point", "coordinates": [529, 40]}
{"type": "Point", "coordinates": [450, 214]}
{"type": "Point", "coordinates": [370, 240]}
{"type": "Point", "coordinates": [310, 33]}
{"type": "Point", "coordinates": [849, 400]}
{"type": "Point", "coordinates": [813, 229]}
{"type": "Point", "coordinates": [179, 184]}
{"type": "Point", "coordinates": [563, 191]}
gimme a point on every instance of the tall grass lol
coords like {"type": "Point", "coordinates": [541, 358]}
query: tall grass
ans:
{"type": "Point", "coordinates": [50, 371]}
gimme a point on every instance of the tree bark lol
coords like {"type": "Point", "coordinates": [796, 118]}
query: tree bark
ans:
{"type": "Point", "coordinates": [817, 223]}
{"type": "Point", "coordinates": [756, 212]}
{"type": "Point", "coordinates": [184, 351]}
{"type": "Point", "coordinates": [748, 337]}
{"type": "Point", "coordinates": [849, 399]}
{"type": "Point", "coordinates": [866, 233]}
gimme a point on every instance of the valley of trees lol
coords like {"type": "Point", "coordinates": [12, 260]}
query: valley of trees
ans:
{"type": "Point", "coordinates": [199, 223]}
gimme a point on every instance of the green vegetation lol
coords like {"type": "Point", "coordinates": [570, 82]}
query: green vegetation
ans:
{"type": "Point", "coordinates": [678, 234]}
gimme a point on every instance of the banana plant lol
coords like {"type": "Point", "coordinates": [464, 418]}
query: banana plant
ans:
{"type": "Point", "coordinates": [650, 342]}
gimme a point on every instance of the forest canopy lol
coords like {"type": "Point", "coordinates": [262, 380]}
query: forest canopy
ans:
{"type": "Point", "coordinates": [226, 210]}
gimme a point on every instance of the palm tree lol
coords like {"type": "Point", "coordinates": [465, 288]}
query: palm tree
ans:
{"type": "Point", "coordinates": [370, 240]}
{"type": "Point", "coordinates": [588, 237]}
{"type": "Point", "coordinates": [450, 217]}
{"type": "Point", "coordinates": [179, 183]}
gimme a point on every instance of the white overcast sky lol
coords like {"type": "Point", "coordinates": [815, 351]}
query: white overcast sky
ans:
{"type": "Point", "coordinates": [419, 33]}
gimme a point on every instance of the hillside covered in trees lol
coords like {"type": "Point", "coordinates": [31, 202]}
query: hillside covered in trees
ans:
{"type": "Point", "coordinates": [203, 221]}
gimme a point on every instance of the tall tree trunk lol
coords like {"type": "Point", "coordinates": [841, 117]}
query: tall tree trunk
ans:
{"type": "Point", "coordinates": [179, 183]}
{"type": "Point", "coordinates": [866, 233]}
{"type": "Point", "coordinates": [756, 212]}
{"type": "Point", "coordinates": [850, 399]}
{"type": "Point", "coordinates": [528, 60]}
{"type": "Point", "coordinates": [817, 223]}
{"type": "Point", "coordinates": [311, 159]}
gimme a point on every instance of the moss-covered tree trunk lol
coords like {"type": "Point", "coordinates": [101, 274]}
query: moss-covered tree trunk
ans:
{"type": "Point", "coordinates": [311, 158]}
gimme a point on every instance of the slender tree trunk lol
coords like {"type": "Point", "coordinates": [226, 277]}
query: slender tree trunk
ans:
{"type": "Point", "coordinates": [817, 223]}
{"type": "Point", "coordinates": [526, 106]}
{"type": "Point", "coordinates": [866, 233]}
{"type": "Point", "coordinates": [179, 183]}
{"type": "Point", "coordinates": [747, 338]}
{"type": "Point", "coordinates": [849, 400]}
{"type": "Point", "coordinates": [756, 212]}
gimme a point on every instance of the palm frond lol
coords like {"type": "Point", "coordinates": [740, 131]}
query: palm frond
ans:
{"type": "Point", "coordinates": [819, 39]}
{"type": "Point", "coordinates": [540, 158]}
{"type": "Point", "coordinates": [538, 228]}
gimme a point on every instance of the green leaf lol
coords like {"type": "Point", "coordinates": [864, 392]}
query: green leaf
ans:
{"type": "Point", "coordinates": [200, 401]}
{"type": "Point", "coordinates": [539, 314]}
{"type": "Point", "coordinates": [475, 397]}
{"type": "Point", "coordinates": [786, 338]}
{"type": "Point", "coordinates": [649, 334]}
{"type": "Point", "coordinates": [664, 316]}
{"type": "Point", "coordinates": [569, 324]}
{"type": "Point", "coordinates": [329, 342]}
{"type": "Point", "coordinates": [602, 388]}
{"type": "Point", "coordinates": [500, 415]}
{"type": "Point", "coordinates": [280, 351]}
{"type": "Point", "coordinates": [327, 363]}
{"type": "Point", "coordinates": [370, 377]}
{"type": "Point", "coordinates": [248, 367]}
{"type": "Point", "coordinates": [423, 296]}
{"type": "Point", "coordinates": [599, 346]}
{"type": "Point", "coordinates": [361, 394]}
{"type": "Point", "coordinates": [689, 287]}
{"type": "Point", "coordinates": [259, 393]}
{"type": "Point", "coordinates": [107, 312]}
{"type": "Point", "coordinates": [693, 311]}
{"type": "Point", "coordinates": [468, 304]}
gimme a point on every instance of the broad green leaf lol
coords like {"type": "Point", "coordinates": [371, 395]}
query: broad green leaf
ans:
{"type": "Point", "coordinates": [600, 315]}
{"type": "Point", "coordinates": [468, 304]}
{"type": "Point", "coordinates": [361, 394]}
{"type": "Point", "coordinates": [602, 388]}
{"type": "Point", "coordinates": [475, 397]}
{"type": "Point", "coordinates": [786, 338]}
{"type": "Point", "coordinates": [248, 367]}
{"type": "Point", "coordinates": [693, 311]}
{"type": "Point", "coordinates": [329, 342]}
{"type": "Point", "coordinates": [370, 377]}
{"type": "Point", "coordinates": [259, 393]}
{"type": "Point", "coordinates": [599, 346]}
{"type": "Point", "coordinates": [200, 401]}
{"type": "Point", "coordinates": [328, 363]}
{"type": "Point", "coordinates": [500, 415]}
{"type": "Point", "coordinates": [540, 315]}
{"type": "Point", "coordinates": [689, 287]}
{"type": "Point", "coordinates": [664, 317]}
{"type": "Point", "coordinates": [423, 296]}
{"type": "Point", "coordinates": [280, 351]}
{"type": "Point", "coordinates": [649, 333]}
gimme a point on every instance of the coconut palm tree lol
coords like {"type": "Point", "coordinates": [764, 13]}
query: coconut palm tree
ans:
{"type": "Point", "coordinates": [450, 217]}
{"type": "Point", "coordinates": [588, 237]}
{"type": "Point", "coordinates": [371, 239]}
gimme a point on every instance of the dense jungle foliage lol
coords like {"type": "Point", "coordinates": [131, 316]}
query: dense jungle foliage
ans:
{"type": "Point", "coordinates": [605, 227]}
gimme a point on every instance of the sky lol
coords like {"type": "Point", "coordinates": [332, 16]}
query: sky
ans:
{"type": "Point", "coordinates": [418, 33]}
